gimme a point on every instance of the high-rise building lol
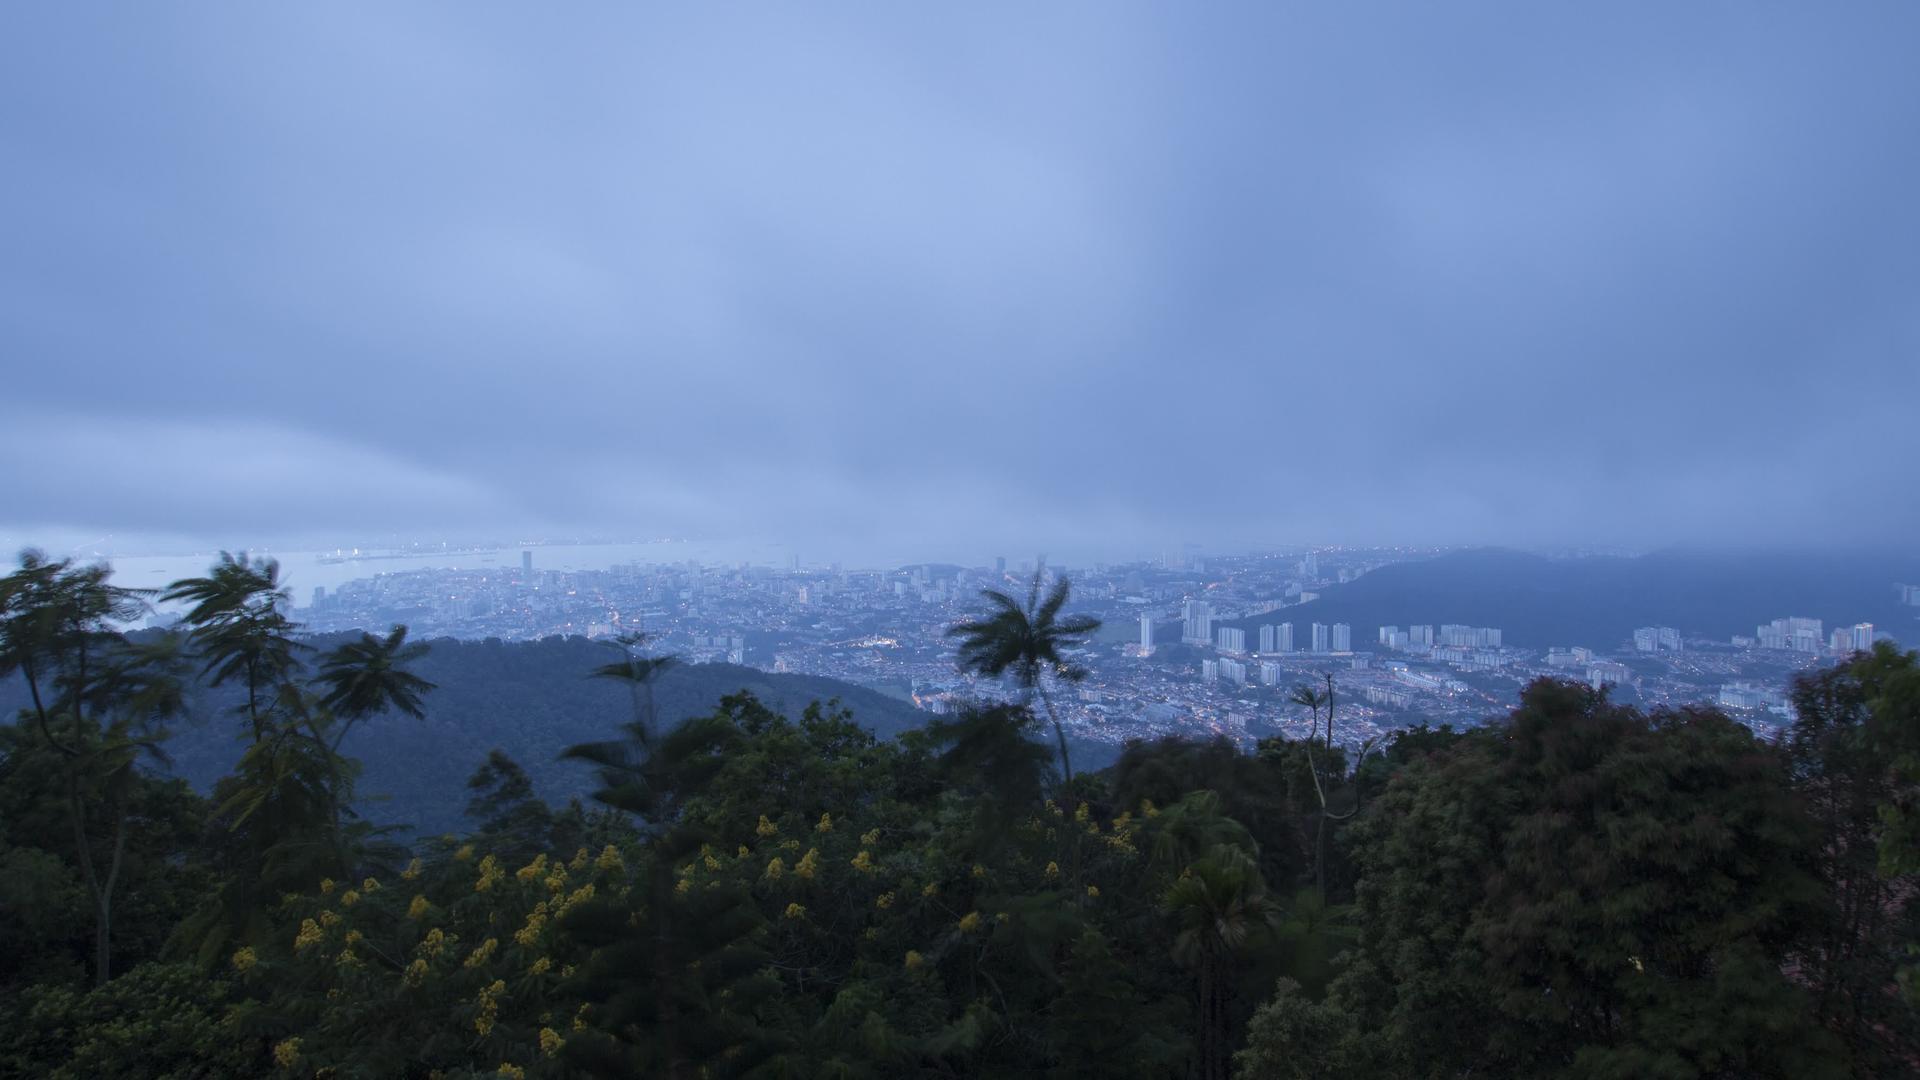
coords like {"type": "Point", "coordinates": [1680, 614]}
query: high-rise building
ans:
{"type": "Point", "coordinates": [1146, 633]}
{"type": "Point", "coordinates": [1321, 639]}
{"type": "Point", "coordinates": [1283, 638]}
{"type": "Point", "coordinates": [1656, 639]}
{"type": "Point", "coordinates": [1863, 637]}
{"type": "Point", "coordinates": [526, 564]}
{"type": "Point", "coordinates": [1420, 637]}
{"type": "Point", "coordinates": [1210, 670]}
{"type": "Point", "coordinates": [1232, 640]}
{"type": "Point", "coordinates": [999, 564]}
{"type": "Point", "coordinates": [1197, 624]}
{"type": "Point", "coordinates": [1795, 632]}
{"type": "Point", "coordinates": [1266, 639]}
{"type": "Point", "coordinates": [1342, 637]}
{"type": "Point", "coordinates": [1269, 673]}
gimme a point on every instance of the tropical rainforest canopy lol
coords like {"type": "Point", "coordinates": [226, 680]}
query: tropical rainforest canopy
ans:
{"type": "Point", "coordinates": [1578, 889]}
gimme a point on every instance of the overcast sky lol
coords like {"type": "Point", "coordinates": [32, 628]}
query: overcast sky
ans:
{"type": "Point", "coordinates": [1022, 277]}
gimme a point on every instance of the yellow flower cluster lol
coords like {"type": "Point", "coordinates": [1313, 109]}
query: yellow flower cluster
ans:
{"type": "Point", "coordinates": [482, 954]}
{"type": "Point", "coordinates": [1147, 809]}
{"type": "Point", "coordinates": [412, 871]}
{"type": "Point", "coordinates": [434, 943]}
{"type": "Point", "coordinates": [369, 886]}
{"type": "Point", "coordinates": [609, 859]}
{"type": "Point", "coordinates": [682, 887]}
{"type": "Point", "coordinates": [969, 922]}
{"type": "Point", "coordinates": [540, 966]}
{"type": "Point", "coordinates": [795, 911]}
{"type": "Point", "coordinates": [418, 907]}
{"type": "Point", "coordinates": [512, 1072]}
{"type": "Point", "coordinates": [883, 901]}
{"type": "Point", "coordinates": [712, 863]}
{"type": "Point", "coordinates": [286, 1052]}
{"type": "Point", "coordinates": [536, 920]}
{"type": "Point", "coordinates": [347, 959]}
{"type": "Point", "coordinates": [355, 937]}
{"type": "Point", "coordinates": [326, 886]}
{"type": "Point", "coordinates": [532, 870]}
{"type": "Point", "coordinates": [870, 837]}
{"type": "Point", "coordinates": [580, 1019]}
{"type": "Point", "coordinates": [979, 871]}
{"type": "Point", "coordinates": [577, 897]}
{"type": "Point", "coordinates": [416, 973]}
{"type": "Point", "coordinates": [808, 865]}
{"type": "Point", "coordinates": [766, 828]}
{"type": "Point", "coordinates": [489, 1002]}
{"type": "Point", "coordinates": [776, 868]}
{"type": "Point", "coordinates": [741, 852]}
{"type": "Point", "coordinates": [490, 875]}
{"type": "Point", "coordinates": [1093, 892]}
{"type": "Point", "coordinates": [862, 862]}
{"type": "Point", "coordinates": [244, 959]}
{"type": "Point", "coordinates": [349, 898]}
{"type": "Point", "coordinates": [465, 853]}
{"type": "Point", "coordinates": [932, 889]}
{"type": "Point", "coordinates": [579, 861]}
{"type": "Point", "coordinates": [310, 934]}
{"type": "Point", "coordinates": [825, 825]}
{"type": "Point", "coordinates": [1082, 814]}
{"type": "Point", "coordinates": [558, 879]}
{"type": "Point", "coordinates": [1053, 870]}
{"type": "Point", "coordinates": [550, 1041]}
{"type": "Point", "coordinates": [328, 919]}
{"type": "Point", "coordinates": [914, 961]}
{"type": "Point", "coordinates": [1054, 809]}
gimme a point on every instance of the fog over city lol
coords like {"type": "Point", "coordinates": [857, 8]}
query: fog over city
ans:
{"type": "Point", "coordinates": [1080, 277]}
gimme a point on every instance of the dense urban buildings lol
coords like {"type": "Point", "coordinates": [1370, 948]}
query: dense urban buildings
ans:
{"type": "Point", "coordinates": [886, 629]}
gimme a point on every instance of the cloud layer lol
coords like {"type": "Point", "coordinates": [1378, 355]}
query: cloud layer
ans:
{"type": "Point", "coordinates": [1094, 276]}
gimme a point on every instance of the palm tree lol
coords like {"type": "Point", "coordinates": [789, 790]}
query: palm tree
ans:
{"type": "Point", "coordinates": [1307, 697]}
{"type": "Point", "coordinates": [240, 627]}
{"type": "Point", "coordinates": [1218, 904]}
{"type": "Point", "coordinates": [1026, 643]}
{"type": "Point", "coordinates": [639, 672]}
{"type": "Point", "coordinates": [358, 680]}
{"type": "Point", "coordinates": [362, 679]}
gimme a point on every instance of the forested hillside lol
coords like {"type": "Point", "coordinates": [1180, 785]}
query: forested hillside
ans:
{"type": "Point", "coordinates": [1578, 889]}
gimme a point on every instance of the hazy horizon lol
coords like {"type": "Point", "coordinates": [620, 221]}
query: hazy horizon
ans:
{"type": "Point", "coordinates": [1092, 277]}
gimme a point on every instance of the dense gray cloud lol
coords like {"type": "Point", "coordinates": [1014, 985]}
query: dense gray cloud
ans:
{"type": "Point", "coordinates": [1078, 277]}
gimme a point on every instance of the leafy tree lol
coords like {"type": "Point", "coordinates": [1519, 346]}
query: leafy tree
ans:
{"type": "Point", "coordinates": [1587, 891]}
{"type": "Point", "coordinates": [1219, 904]}
{"type": "Point", "coordinates": [99, 703]}
{"type": "Point", "coordinates": [239, 625]}
{"type": "Point", "coordinates": [1026, 643]}
{"type": "Point", "coordinates": [513, 823]}
{"type": "Point", "coordinates": [1853, 955]}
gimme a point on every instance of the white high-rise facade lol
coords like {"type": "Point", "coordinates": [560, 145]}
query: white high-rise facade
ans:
{"type": "Point", "coordinates": [1146, 633]}
{"type": "Point", "coordinates": [1342, 637]}
{"type": "Point", "coordinates": [1321, 638]}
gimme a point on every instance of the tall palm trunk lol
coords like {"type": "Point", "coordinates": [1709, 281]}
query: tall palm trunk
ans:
{"type": "Point", "coordinates": [1059, 732]}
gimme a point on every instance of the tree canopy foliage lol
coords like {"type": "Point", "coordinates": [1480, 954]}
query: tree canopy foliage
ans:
{"type": "Point", "coordinates": [1578, 889]}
